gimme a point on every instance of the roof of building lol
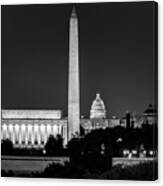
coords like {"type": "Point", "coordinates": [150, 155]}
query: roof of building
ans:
{"type": "Point", "coordinates": [31, 114]}
{"type": "Point", "coordinates": [98, 103]}
{"type": "Point", "coordinates": [150, 110]}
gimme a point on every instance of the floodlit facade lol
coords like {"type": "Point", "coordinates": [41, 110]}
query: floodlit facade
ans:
{"type": "Point", "coordinates": [150, 115]}
{"type": "Point", "coordinates": [73, 78]}
{"type": "Point", "coordinates": [31, 128]}
{"type": "Point", "coordinates": [98, 108]}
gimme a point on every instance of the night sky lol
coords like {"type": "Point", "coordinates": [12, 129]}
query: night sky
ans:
{"type": "Point", "coordinates": [116, 56]}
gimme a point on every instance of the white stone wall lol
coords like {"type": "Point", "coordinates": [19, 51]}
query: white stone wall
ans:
{"type": "Point", "coordinates": [114, 122]}
{"type": "Point", "coordinates": [31, 114]}
{"type": "Point", "coordinates": [73, 79]}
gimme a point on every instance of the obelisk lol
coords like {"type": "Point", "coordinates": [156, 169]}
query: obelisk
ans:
{"type": "Point", "coordinates": [73, 80]}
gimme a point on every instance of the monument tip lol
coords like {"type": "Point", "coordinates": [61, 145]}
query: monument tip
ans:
{"type": "Point", "coordinates": [73, 14]}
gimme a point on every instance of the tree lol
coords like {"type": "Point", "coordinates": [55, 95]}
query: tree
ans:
{"type": "Point", "coordinates": [6, 147]}
{"type": "Point", "coordinates": [54, 146]}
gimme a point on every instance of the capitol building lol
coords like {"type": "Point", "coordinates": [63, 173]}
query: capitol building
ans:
{"type": "Point", "coordinates": [31, 128]}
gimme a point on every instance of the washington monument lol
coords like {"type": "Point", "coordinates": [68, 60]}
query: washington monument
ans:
{"type": "Point", "coordinates": [73, 80]}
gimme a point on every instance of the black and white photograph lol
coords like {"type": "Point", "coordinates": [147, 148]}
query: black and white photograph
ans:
{"type": "Point", "coordinates": [79, 90]}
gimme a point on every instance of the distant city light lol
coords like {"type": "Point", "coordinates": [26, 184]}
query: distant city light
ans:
{"type": "Point", "coordinates": [134, 152]}
{"type": "Point", "coordinates": [119, 140]}
{"type": "Point", "coordinates": [151, 152]}
{"type": "Point", "coordinates": [44, 151]}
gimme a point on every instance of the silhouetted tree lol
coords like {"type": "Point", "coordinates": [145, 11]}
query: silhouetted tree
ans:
{"type": "Point", "coordinates": [54, 146]}
{"type": "Point", "coordinates": [6, 147]}
{"type": "Point", "coordinates": [74, 151]}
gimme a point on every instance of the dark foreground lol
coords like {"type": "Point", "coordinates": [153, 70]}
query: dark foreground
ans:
{"type": "Point", "coordinates": [90, 156]}
{"type": "Point", "coordinates": [142, 171]}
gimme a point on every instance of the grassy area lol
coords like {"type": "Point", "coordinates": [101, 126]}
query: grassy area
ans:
{"type": "Point", "coordinates": [143, 171]}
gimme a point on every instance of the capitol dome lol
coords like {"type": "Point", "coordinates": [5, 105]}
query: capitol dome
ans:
{"type": "Point", "coordinates": [98, 108]}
